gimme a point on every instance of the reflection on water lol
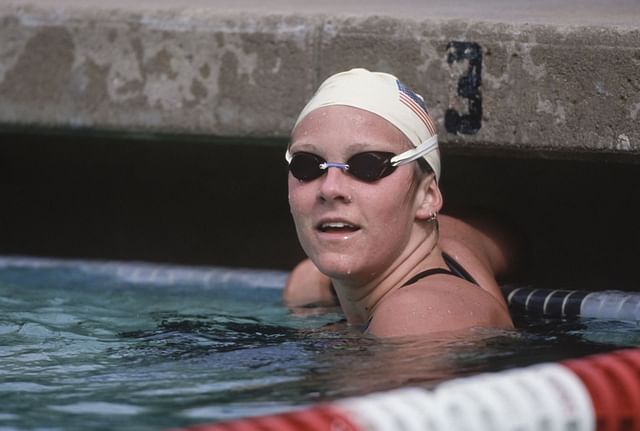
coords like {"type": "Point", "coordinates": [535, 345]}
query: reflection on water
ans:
{"type": "Point", "coordinates": [97, 347]}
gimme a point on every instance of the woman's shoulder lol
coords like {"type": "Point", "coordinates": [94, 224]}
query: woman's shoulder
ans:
{"type": "Point", "coordinates": [442, 303]}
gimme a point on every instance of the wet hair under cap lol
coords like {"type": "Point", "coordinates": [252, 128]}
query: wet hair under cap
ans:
{"type": "Point", "coordinates": [384, 95]}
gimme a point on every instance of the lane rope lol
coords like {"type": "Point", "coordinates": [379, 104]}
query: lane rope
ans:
{"type": "Point", "coordinates": [606, 304]}
{"type": "Point", "coordinates": [599, 392]}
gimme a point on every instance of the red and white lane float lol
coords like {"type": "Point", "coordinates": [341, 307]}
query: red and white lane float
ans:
{"type": "Point", "coordinates": [606, 304]}
{"type": "Point", "coordinates": [600, 392]}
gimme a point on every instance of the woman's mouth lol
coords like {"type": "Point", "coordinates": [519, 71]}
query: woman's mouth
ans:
{"type": "Point", "coordinates": [337, 227]}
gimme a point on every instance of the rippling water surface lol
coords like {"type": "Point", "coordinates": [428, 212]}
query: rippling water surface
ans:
{"type": "Point", "coordinates": [142, 347]}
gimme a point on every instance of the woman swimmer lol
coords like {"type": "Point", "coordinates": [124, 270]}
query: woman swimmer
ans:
{"type": "Point", "coordinates": [363, 190]}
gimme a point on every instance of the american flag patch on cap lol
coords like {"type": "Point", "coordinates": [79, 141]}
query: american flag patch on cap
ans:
{"type": "Point", "coordinates": [417, 105]}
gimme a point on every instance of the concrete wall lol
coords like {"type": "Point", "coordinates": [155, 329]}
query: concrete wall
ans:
{"type": "Point", "coordinates": [518, 75]}
{"type": "Point", "coordinates": [542, 79]}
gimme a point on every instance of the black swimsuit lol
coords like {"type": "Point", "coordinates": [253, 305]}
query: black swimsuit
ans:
{"type": "Point", "coordinates": [455, 269]}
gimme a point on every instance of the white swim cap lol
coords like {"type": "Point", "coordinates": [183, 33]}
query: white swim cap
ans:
{"type": "Point", "coordinates": [384, 95]}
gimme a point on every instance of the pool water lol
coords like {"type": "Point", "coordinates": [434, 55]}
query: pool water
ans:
{"type": "Point", "coordinates": [147, 347]}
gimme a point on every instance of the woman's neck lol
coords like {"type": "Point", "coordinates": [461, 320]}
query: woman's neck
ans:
{"type": "Point", "coordinates": [360, 299]}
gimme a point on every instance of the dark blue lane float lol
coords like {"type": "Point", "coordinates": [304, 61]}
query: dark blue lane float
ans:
{"type": "Point", "coordinates": [606, 304]}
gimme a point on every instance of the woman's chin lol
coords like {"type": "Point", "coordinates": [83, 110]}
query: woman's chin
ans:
{"type": "Point", "coordinates": [340, 269]}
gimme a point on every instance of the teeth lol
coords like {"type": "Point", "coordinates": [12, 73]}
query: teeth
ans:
{"type": "Point", "coordinates": [336, 225]}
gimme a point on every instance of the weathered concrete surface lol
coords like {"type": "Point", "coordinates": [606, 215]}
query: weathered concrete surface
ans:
{"type": "Point", "coordinates": [553, 77]}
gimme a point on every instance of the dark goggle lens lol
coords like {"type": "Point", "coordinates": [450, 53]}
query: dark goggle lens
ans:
{"type": "Point", "coordinates": [368, 166]}
{"type": "Point", "coordinates": [306, 166]}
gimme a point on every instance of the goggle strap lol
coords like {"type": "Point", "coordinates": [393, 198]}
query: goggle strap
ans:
{"type": "Point", "coordinates": [408, 156]}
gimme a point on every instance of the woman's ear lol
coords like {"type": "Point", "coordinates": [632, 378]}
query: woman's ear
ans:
{"type": "Point", "coordinates": [429, 198]}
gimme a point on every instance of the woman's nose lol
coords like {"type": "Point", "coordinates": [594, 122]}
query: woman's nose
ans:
{"type": "Point", "coordinates": [335, 185]}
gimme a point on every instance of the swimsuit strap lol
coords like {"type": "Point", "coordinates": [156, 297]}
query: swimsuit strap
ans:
{"type": "Point", "coordinates": [458, 269]}
{"type": "Point", "coordinates": [455, 269]}
{"type": "Point", "coordinates": [427, 273]}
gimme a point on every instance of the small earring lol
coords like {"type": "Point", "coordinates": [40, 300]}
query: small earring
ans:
{"type": "Point", "coordinates": [433, 217]}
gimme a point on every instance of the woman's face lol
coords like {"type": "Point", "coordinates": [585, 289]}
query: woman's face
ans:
{"type": "Point", "coordinates": [349, 228]}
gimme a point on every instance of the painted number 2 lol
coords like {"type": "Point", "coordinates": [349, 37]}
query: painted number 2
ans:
{"type": "Point", "coordinates": [468, 87]}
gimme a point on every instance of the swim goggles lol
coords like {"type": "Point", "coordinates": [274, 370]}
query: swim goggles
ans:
{"type": "Point", "coordinates": [367, 166]}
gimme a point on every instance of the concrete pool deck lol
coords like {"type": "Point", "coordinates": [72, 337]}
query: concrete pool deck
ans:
{"type": "Point", "coordinates": [519, 76]}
